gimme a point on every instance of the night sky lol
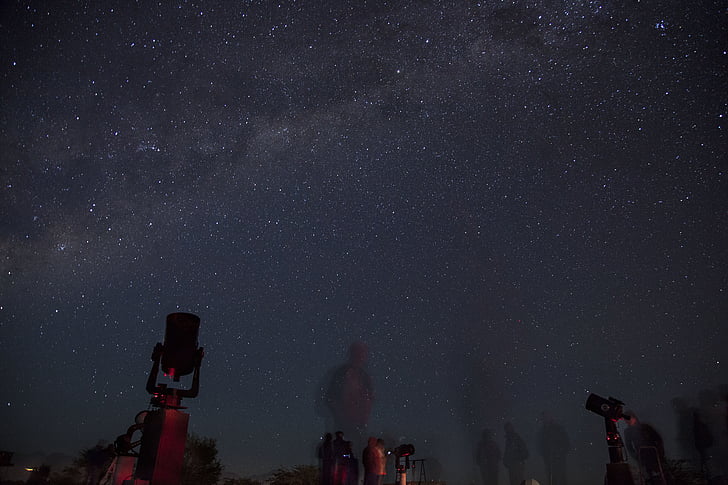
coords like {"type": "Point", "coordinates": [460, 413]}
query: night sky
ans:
{"type": "Point", "coordinates": [512, 203]}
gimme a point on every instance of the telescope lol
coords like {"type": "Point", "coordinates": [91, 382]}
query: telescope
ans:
{"type": "Point", "coordinates": [180, 345]}
{"type": "Point", "coordinates": [402, 451]}
{"type": "Point", "coordinates": [163, 429]}
{"type": "Point", "coordinates": [610, 409]}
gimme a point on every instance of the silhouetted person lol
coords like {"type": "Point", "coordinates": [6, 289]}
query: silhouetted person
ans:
{"type": "Point", "coordinates": [724, 400]}
{"type": "Point", "coordinates": [554, 446]}
{"type": "Point", "coordinates": [515, 454]}
{"type": "Point", "coordinates": [703, 439]}
{"type": "Point", "coordinates": [644, 444]}
{"type": "Point", "coordinates": [373, 460]}
{"type": "Point", "coordinates": [684, 425]}
{"type": "Point", "coordinates": [346, 467]}
{"type": "Point", "coordinates": [326, 460]}
{"type": "Point", "coordinates": [707, 424]}
{"type": "Point", "coordinates": [353, 475]}
{"type": "Point", "coordinates": [488, 457]}
{"type": "Point", "coordinates": [338, 447]}
{"type": "Point", "coordinates": [350, 394]}
{"type": "Point", "coordinates": [721, 430]}
{"type": "Point", "coordinates": [348, 473]}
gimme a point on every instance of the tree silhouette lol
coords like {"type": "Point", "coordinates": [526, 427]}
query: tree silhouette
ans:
{"type": "Point", "coordinates": [201, 466]}
{"type": "Point", "coordinates": [73, 474]}
{"type": "Point", "coordinates": [89, 460]}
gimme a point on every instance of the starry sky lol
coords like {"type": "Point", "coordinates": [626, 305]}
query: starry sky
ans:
{"type": "Point", "coordinates": [512, 203]}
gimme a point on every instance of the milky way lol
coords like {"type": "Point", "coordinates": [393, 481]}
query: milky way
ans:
{"type": "Point", "coordinates": [512, 203]}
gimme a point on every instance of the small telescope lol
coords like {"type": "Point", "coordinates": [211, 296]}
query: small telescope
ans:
{"type": "Point", "coordinates": [609, 408]}
{"type": "Point", "coordinates": [403, 451]}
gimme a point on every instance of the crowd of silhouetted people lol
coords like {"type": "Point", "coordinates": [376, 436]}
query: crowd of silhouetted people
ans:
{"type": "Point", "coordinates": [339, 465]}
{"type": "Point", "coordinates": [553, 444]}
{"type": "Point", "coordinates": [702, 446]}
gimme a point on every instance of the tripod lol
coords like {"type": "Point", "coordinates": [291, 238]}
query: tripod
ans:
{"type": "Point", "coordinates": [423, 472]}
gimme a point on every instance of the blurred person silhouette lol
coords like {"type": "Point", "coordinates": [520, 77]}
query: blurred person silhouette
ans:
{"type": "Point", "coordinates": [708, 427]}
{"type": "Point", "coordinates": [554, 445]}
{"type": "Point", "coordinates": [644, 444]}
{"type": "Point", "coordinates": [488, 457]}
{"type": "Point", "coordinates": [374, 461]}
{"type": "Point", "coordinates": [353, 468]}
{"type": "Point", "coordinates": [684, 425]}
{"type": "Point", "coordinates": [722, 431]}
{"type": "Point", "coordinates": [702, 439]}
{"type": "Point", "coordinates": [348, 470]}
{"type": "Point", "coordinates": [515, 454]}
{"type": "Point", "coordinates": [326, 460]}
{"type": "Point", "coordinates": [346, 467]}
{"type": "Point", "coordinates": [350, 394]}
{"type": "Point", "coordinates": [338, 448]}
{"type": "Point", "coordinates": [724, 399]}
